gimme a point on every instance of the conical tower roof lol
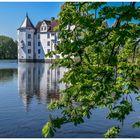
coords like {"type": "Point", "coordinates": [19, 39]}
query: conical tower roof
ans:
{"type": "Point", "coordinates": [27, 23]}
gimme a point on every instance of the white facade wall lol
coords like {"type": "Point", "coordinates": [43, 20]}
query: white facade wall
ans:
{"type": "Point", "coordinates": [25, 51]}
{"type": "Point", "coordinates": [47, 43]}
{"type": "Point", "coordinates": [21, 46]}
{"type": "Point", "coordinates": [30, 55]}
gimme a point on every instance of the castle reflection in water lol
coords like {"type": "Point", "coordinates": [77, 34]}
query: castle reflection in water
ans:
{"type": "Point", "coordinates": [37, 80]}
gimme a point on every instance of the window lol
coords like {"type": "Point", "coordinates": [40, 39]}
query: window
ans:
{"type": "Point", "coordinates": [52, 34]}
{"type": "Point", "coordinates": [57, 56]}
{"type": "Point", "coordinates": [29, 50]}
{"type": "Point", "coordinates": [38, 51]}
{"type": "Point", "coordinates": [44, 28]}
{"type": "Point", "coordinates": [48, 35]}
{"type": "Point", "coordinates": [48, 51]}
{"type": "Point", "coordinates": [39, 43]}
{"type": "Point", "coordinates": [29, 36]}
{"type": "Point", "coordinates": [29, 43]}
{"type": "Point", "coordinates": [22, 43]}
{"type": "Point", "coordinates": [48, 43]}
{"type": "Point", "coordinates": [38, 36]}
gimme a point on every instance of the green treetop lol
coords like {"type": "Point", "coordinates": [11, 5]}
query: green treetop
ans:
{"type": "Point", "coordinates": [101, 62]}
{"type": "Point", "coordinates": [8, 48]}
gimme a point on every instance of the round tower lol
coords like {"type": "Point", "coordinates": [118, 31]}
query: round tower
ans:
{"type": "Point", "coordinates": [25, 38]}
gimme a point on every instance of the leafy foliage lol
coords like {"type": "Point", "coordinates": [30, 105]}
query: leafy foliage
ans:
{"type": "Point", "coordinates": [8, 48]}
{"type": "Point", "coordinates": [101, 61]}
{"type": "Point", "coordinates": [137, 124]}
{"type": "Point", "coordinates": [112, 132]}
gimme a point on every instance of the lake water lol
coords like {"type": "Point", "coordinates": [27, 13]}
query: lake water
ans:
{"type": "Point", "coordinates": [25, 91]}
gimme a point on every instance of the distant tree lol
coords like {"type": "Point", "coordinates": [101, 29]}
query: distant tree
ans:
{"type": "Point", "coordinates": [101, 62]}
{"type": "Point", "coordinates": [52, 18]}
{"type": "Point", "coordinates": [8, 48]}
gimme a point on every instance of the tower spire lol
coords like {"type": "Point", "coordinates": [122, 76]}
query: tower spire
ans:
{"type": "Point", "coordinates": [27, 22]}
{"type": "Point", "coordinates": [26, 14]}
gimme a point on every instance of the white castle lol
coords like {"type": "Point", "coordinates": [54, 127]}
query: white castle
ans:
{"type": "Point", "coordinates": [35, 42]}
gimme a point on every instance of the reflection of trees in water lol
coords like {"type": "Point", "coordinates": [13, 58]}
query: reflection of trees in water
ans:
{"type": "Point", "coordinates": [7, 74]}
{"type": "Point", "coordinates": [37, 80]}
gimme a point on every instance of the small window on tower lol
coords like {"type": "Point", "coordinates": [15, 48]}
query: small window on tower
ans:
{"type": "Point", "coordinates": [22, 43]}
{"type": "Point", "coordinates": [39, 43]}
{"type": "Point", "coordinates": [29, 51]}
{"type": "Point", "coordinates": [38, 51]}
{"type": "Point", "coordinates": [29, 43]}
{"type": "Point", "coordinates": [38, 36]}
{"type": "Point", "coordinates": [29, 36]}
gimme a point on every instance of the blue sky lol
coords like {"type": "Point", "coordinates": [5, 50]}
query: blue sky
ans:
{"type": "Point", "coordinates": [13, 13]}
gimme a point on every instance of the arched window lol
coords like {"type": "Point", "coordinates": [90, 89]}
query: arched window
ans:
{"type": "Point", "coordinates": [22, 43]}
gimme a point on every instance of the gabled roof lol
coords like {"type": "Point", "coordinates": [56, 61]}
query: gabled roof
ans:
{"type": "Point", "coordinates": [27, 23]}
{"type": "Point", "coordinates": [48, 22]}
{"type": "Point", "coordinates": [51, 25]}
{"type": "Point", "coordinates": [38, 25]}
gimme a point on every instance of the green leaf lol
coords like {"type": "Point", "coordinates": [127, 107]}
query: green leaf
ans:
{"type": "Point", "coordinates": [137, 124]}
{"type": "Point", "coordinates": [48, 130]}
{"type": "Point", "coordinates": [138, 98]}
{"type": "Point", "coordinates": [112, 132]}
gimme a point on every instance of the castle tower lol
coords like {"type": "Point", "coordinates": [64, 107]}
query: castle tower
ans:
{"type": "Point", "coordinates": [25, 37]}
